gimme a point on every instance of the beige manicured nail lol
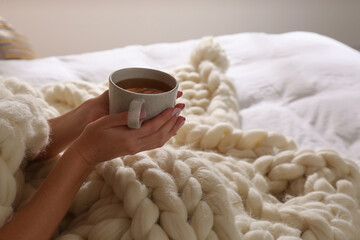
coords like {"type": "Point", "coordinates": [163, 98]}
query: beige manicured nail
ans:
{"type": "Point", "coordinates": [142, 114]}
{"type": "Point", "coordinates": [181, 123]}
{"type": "Point", "coordinates": [176, 112]}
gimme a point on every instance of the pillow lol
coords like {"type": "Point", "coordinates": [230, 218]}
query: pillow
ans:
{"type": "Point", "coordinates": [13, 45]}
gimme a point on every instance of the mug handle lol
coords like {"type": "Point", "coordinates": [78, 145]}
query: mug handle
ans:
{"type": "Point", "coordinates": [134, 113]}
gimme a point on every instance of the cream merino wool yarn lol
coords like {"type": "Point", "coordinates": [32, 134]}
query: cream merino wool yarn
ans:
{"type": "Point", "coordinates": [23, 132]}
{"type": "Point", "coordinates": [212, 181]}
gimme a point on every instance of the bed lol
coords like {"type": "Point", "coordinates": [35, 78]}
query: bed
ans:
{"type": "Point", "coordinates": [300, 85]}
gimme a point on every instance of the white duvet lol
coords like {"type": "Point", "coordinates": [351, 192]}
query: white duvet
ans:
{"type": "Point", "coordinates": [301, 84]}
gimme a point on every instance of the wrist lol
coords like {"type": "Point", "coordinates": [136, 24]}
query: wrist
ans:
{"type": "Point", "coordinates": [82, 116]}
{"type": "Point", "coordinates": [81, 160]}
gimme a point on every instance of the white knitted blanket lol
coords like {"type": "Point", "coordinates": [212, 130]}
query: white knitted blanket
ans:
{"type": "Point", "coordinates": [212, 181]}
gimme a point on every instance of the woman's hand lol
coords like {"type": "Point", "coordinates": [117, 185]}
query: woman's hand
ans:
{"type": "Point", "coordinates": [109, 137]}
{"type": "Point", "coordinates": [93, 109]}
{"type": "Point", "coordinates": [66, 128]}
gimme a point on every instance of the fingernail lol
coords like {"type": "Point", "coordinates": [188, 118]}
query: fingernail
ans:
{"type": "Point", "coordinates": [181, 106]}
{"type": "Point", "coordinates": [181, 123]}
{"type": "Point", "coordinates": [142, 114]}
{"type": "Point", "coordinates": [176, 112]}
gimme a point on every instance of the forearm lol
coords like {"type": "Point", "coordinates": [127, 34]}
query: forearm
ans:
{"type": "Point", "coordinates": [63, 131]}
{"type": "Point", "coordinates": [66, 128]}
{"type": "Point", "coordinates": [41, 215]}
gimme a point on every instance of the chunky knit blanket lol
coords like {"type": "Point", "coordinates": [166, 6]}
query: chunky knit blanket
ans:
{"type": "Point", "coordinates": [211, 181]}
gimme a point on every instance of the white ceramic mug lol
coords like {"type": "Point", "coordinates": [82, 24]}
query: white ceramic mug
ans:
{"type": "Point", "coordinates": [122, 100]}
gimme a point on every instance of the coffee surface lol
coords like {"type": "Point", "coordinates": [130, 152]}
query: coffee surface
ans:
{"type": "Point", "coordinates": [144, 85]}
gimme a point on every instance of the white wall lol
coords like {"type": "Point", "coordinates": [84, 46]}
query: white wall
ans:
{"type": "Point", "coordinates": [59, 27]}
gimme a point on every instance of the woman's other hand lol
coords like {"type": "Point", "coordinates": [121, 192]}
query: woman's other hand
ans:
{"type": "Point", "coordinates": [109, 137]}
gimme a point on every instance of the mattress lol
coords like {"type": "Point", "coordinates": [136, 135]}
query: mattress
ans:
{"type": "Point", "coordinates": [301, 84]}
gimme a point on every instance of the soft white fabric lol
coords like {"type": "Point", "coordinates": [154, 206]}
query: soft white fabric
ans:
{"type": "Point", "coordinates": [212, 181]}
{"type": "Point", "coordinates": [23, 132]}
{"type": "Point", "coordinates": [301, 84]}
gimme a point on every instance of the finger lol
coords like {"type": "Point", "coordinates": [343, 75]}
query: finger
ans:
{"type": "Point", "coordinates": [156, 123]}
{"type": "Point", "coordinates": [180, 105]}
{"type": "Point", "coordinates": [179, 94]}
{"type": "Point", "coordinates": [113, 120]}
{"type": "Point", "coordinates": [179, 123]}
{"type": "Point", "coordinates": [157, 140]}
{"type": "Point", "coordinates": [163, 135]}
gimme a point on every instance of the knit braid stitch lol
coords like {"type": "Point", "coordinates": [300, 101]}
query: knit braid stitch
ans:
{"type": "Point", "coordinates": [212, 181]}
